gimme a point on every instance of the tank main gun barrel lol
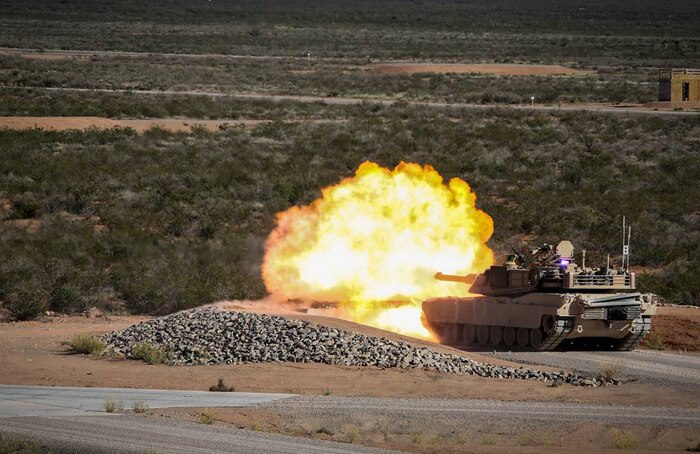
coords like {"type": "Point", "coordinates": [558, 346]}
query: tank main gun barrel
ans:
{"type": "Point", "coordinates": [468, 279]}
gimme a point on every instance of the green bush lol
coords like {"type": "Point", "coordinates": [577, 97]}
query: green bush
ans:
{"type": "Point", "coordinates": [25, 206]}
{"type": "Point", "coordinates": [188, 227]}
{"type": "Point", "coordinates": [66, 299]}
{"type": "Point", "coordinates": [87, 345]}
{"type": "Point", "coordinates": [150, 353]}
{"type": "Point", "coordinates": [26, 301]}
{"type": "Point", "coordinates": [12, 445]}
{"type": "Point", "coordinates": [113, 405]}
{"type": "Point", "coordinates": [220, 386]}
{"type": "Point", "coordinates": [623, 439]}
{"type": "Point", "coordinates": [206, 418]}
{"type": "Point", "coordinates": [140, 407]}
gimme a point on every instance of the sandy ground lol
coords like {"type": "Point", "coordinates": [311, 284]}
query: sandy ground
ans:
{"type": "Point", "coordinates": [676, 328]}
{"type": "Point", "coordinates": [673, 105]}
{"type": "Point", "coordinates": [82, 123]}
{"type": "Point", "coordinates": [490, 68]}
{"type": "Point", "coordinates": [32, 354]}
{"type": "Point", "coordinates": [170, 124]}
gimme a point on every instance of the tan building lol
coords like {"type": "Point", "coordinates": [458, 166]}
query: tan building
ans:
{"type": "Point", "coordinates": [679, 85]}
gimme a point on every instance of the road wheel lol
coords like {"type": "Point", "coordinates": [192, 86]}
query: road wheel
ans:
{"type": "Point", "coordinates": [522, 337]}
{"type": "Point", "coordinates": [509, 336]}
{"type": "Point", "coordinates": [482, 334]}
{"type": "Point", "coordinates": [449, 333]}
{"type": "Point", "coordinates": [536, 338]}
{"type": "Point", "coordinates": [495, 335]}
{"type": "Point", "coordinates": [468, 334]}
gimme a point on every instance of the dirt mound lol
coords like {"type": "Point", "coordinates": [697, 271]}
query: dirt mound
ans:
{"type": "Point", "coordinates": [478, 68]}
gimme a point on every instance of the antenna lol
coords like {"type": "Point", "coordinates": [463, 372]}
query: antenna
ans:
{"type": "Point", "coordinates": [626, 235]}
{"type": "Point", "coordinates": [624, 230]}
{"type": "Point", "coordinates": [629, 237]}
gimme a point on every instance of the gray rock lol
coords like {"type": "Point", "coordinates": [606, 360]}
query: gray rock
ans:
{"type": "Point", "coordinates": [210, 336]}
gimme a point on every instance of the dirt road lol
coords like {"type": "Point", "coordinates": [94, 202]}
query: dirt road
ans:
{"type": "Point", "coordinates": [127, 434]}
{"type": "Point", "coordinates": [55, 54]}
{"type": "Point", "coordinates": [349, 419]}
{"type": "Point", "coordinates": [501, 69]}
{"type": "Point", "coordinates": [51, 401]}
{"type": "Point", "coordinates": [526, 411]}
{"type": "Point", "coordinates": [602, 108]}
{"type": "Point", "coordinates": [170, 124]}
{"type": "Point", "coordinates": [81, 123]}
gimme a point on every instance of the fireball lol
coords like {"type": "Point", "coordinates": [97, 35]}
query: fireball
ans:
{"type": "Point", "coordinates": [374, 241]}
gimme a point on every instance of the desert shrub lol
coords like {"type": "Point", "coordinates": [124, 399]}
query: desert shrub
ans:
{"type": "Point", "coordinates": [87, 345]}
{"type": "Point", "coordinates": [140, 407]}
{"type": "Point", "coordinates": [654, 341]}
{"type": "Point", "coordinates": [611, 371]}
{"type": "Point", "coordinates": [66, 298]}
{"type": "Point", "coordinates": [26, 301]}
{"type": "Point", "coordinates": [113, 405]}
{"type": "Point", "coordinates": [150, 353]}
{"type": "Point", "coordinates": [220, 386]}
{"type": "Point", "coordinates": [206, 418]}
{"type": "Point", "coordinates": [25, 206]}
{"type": "Point", "coordinates": [13, 445]}
{"type": "Point", "coordinates": [188, 228]}
{"type": "Point", "coordinates": [623, 439]}
{"type": "Point", "coordinates": [19, 269]}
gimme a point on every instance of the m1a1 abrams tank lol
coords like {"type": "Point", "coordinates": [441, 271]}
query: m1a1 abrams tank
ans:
{"type": "Point", "coordinates": [539, 302]}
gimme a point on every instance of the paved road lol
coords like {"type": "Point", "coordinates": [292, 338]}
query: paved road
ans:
{"type": "Point", "coordinates": [666, 368]}
{"type": "Point", "coordinates": [354, 101]}
{"type": "Point", "coordinates": [524, 412]}
{"type": "Point", "coordinates": [127, 434]}
{"type": "Point", "coordinates": [59, 401]}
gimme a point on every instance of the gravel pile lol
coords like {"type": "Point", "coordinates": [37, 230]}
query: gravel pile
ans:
{"type": "Point", "coordinates": [211, 336]}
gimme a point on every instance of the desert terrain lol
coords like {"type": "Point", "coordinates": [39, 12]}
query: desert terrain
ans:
{"type": "Point", "coordinates": [161, 157]}
{"type": "Point", "coordinates": [355, 404]}
{"type": "Point", "coordinates": [34, 354]}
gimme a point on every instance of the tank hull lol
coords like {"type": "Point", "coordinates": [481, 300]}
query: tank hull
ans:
{"type": "Point", "coordinates": [541, 321]}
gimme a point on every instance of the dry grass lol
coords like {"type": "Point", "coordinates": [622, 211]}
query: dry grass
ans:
{"type": "Point", "coordinates": [206, 418]}
{"type": "Point", "coordinates": [150, 353]}
{"type": "Point", "coordinates": [113, 405]}
{"type": "Point", "coordinates": [655, 341]}
{"type": "Point", "coordinates": [87, 345]}
{"type": "Point", "coordinates": [611, 371]}
{"type": "Point", "coordinates": [140, 407]}
{"type": "Point", "coordinates": [623, 439]}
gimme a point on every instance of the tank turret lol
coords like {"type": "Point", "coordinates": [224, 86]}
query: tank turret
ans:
{"type": "Point", "coordinates": [546, 271]}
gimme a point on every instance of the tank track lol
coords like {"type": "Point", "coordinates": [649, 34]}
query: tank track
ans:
{"type": "Point", "coordinates": [551, 342]}
{"type": "Point", "coordinates": [632, 340]}
{"type": "Point", "coordinates": [558, 334]}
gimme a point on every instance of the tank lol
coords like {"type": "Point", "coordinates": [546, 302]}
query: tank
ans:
{"type": "Point", "coordinates": [542, 300]}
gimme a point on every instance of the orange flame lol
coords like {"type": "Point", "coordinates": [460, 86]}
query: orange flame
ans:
{"type": "Point", "coordinates": [379, 237]}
